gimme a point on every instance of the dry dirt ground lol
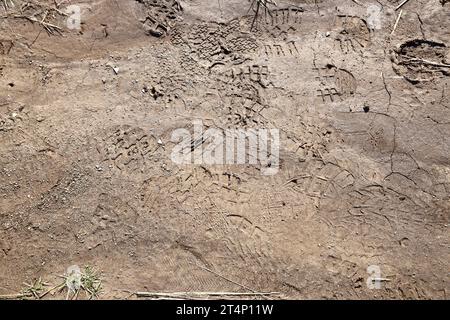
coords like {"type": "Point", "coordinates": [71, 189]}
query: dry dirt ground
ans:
{"type": "Point", "coordinates": [86, 118]}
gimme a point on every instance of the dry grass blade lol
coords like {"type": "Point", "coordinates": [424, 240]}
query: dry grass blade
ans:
{"type": "Point", "coordinates": [50, 28]}
{"type": "Point", "coordinates": [8, 4]}
{"type": "Point", "coordinates": [31, 291]}
{"type": "Point", "coordinates": [401, 4]}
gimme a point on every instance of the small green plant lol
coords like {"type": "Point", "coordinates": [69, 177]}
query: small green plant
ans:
{"type": "Point", "coordinates": [8, 4]}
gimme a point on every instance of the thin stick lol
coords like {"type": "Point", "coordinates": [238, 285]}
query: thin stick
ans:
{"type": "Point", "coordinates": [44, 24]}
{"type": "Point", "coordinates": [397, 21]}
{"type": "Point", "coordinates": [203, 294]}
{"type": "Point", "coordinates": [5, 4]}
{"type": "Point", "coordinates": [401, 4]}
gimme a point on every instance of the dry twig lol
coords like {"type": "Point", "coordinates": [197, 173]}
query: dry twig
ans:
{"type": "Point", "coordinates": [188, 295]}
{"type": "Point", "coordinates": [397, 21]}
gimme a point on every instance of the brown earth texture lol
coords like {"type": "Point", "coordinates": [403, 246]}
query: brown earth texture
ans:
{"type": "Point", "coordinates": [358, 90]}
